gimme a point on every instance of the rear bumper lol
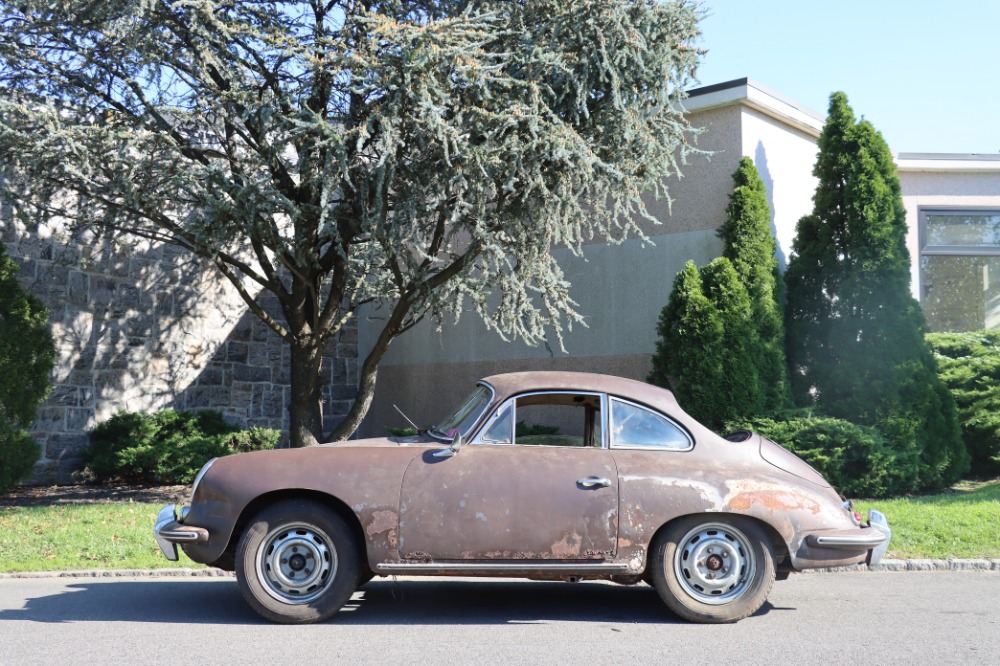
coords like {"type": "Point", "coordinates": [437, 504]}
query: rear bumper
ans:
{"type": "Point", "coordinates": [831, 548]}
{"type": "Point", "coordinates": [169, 531]}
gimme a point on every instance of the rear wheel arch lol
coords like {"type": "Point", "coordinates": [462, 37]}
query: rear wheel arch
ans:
{"type": "Point", "coordinates": [778, 544]}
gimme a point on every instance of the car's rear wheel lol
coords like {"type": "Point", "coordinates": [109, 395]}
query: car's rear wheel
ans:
{"type": "Point", "coordinates": [297, 562]}
{"type": "Point", "coordinates": [713, 570]}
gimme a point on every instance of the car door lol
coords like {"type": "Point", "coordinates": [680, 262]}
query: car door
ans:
{"type": "Point", "coordinates": [554, 498]}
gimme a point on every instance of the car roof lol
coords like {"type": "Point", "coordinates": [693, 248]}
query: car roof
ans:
{"type": "Point", "coordinates": [511, 383]}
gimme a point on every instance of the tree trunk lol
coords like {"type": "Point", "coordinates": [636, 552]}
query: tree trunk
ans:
{"type": "Point", "coordinates": [305, 409]}
{"type": "Point", "coordinates": [362, 403]}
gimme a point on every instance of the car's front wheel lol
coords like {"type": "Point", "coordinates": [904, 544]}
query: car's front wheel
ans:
{"type": "Point", "coordinates": [713, 570]}
{"type": "Point", "coordinates": [297, 562]}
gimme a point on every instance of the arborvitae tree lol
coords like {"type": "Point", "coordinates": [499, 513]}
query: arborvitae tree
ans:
{"type": "Point", "coordinates": [855, 335]}
{"type": "Point", "coordinates": [750, 247]}
{"type": "Point", "coordinates": [705, 334]}
{"type": "Point", "coordinates": [26, 359]}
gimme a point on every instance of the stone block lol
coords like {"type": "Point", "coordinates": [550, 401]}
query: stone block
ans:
{"type": "Point", "coordinates": [347, 351]}
{"type": "Point", "coordinates": [65, 445]}
{"type": "Point", "coordinates": [237, 352]}
{"type": "Point", "coordinates": [250, 373]}
{"type": "Point", "coordinates": [79, 419]}
{"type": "Point", "coordinates": [50, 419]}
{"type": "Point", "coordinates": [79, 288]}
{"type": "Point", "coordinates": [102, 290]}
{"type": "Point", "coordinates": [67, 396]}
{"type": "Point", "coordinates": [206, 397]}
{"type": "Point", "coordinates": [213, 375]}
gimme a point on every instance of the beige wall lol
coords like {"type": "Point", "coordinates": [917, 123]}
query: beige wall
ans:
{"type": "Point", "coordinates": [784, 157]}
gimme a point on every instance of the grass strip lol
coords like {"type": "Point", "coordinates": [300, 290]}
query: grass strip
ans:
{"type": "Point", "coordinates": [959, 523]}
{"type": "Point", "coordinates": [112, 535]}
{"type": "Point", "coordinates": [962, 523]}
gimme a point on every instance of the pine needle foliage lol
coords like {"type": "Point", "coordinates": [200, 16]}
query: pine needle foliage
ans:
{"type": "Point", "coordinates": [27, 355]}
{"type": "Point", "coordinates": [855, 335]}
{"type": "Point", "coordinates": [970, 367]}
{"type": "Point", "coordinates": [706, 339]}
{"type": "Point", "coordinates": [421, 157]}
{"type": "Point", "coordinates": [750, 246]}
{"type": "Point", "coordinates": [721, 334]}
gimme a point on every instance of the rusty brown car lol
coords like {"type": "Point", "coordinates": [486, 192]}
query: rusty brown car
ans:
{"type": "Point", "coordinates": [543, 475]}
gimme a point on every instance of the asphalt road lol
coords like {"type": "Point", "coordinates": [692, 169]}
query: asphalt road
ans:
{"type": "Point", "coordinates": [843, 618]}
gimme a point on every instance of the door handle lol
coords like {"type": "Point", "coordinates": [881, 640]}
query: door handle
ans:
{"type": "Point", "coordinates": [594, 482]}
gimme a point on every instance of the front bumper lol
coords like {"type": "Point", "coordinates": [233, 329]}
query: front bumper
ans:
{"type": "Point", "coordinates": [169, 530]}
{"type": "Point", "coordinates": [873, 537]}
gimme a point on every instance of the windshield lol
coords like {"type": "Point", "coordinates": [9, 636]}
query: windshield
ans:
{"type": "Point", "coordinates": [463, 418]}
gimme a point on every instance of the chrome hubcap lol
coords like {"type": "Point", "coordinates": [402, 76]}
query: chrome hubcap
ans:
{"type": "Point", "coordinates": [296, 563]}
{"type": "Point", "coordinates": [714, 563]}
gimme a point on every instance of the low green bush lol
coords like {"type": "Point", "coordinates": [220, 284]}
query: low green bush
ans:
{"type": "Point", "coordinates": [969, 365]}
{"type": "Point", "coordinates": [168, 446]}
{"type": "Point", "coordinates": [857, 460]}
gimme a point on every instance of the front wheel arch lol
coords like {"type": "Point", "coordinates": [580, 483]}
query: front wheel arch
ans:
{"type": "Point", "coordinates": [261, 502]}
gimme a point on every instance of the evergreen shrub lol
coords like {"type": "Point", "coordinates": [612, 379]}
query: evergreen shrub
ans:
{"type": "Point", "coordinates": [168, 446]}
{"type": "Point", "coordinates": [969, 365]}
{"type": "Point", "coordinates": [855, 334]}
{"type": "Point", "coordinates": [27, 356]}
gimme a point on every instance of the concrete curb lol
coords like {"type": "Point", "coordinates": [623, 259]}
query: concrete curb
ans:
{"type": "Point", "coordinates": [884, 566]}
{"type": "Point", "coordinates": [952, 564]}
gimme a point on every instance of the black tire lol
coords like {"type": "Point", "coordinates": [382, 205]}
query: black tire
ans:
{"type": "Point", "coordinates": [297, 562]}
{"type": "Point", "coordinates": [713, 570]}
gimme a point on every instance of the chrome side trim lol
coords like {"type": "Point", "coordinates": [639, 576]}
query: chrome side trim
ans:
{"type": "Point", "coordinates": [530, 567]}
{"type": "Point", "coordinates": [862, 541]}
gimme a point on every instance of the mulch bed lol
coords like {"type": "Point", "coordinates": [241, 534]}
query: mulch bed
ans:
{"type": "Point", "coordinates": [91, 494]}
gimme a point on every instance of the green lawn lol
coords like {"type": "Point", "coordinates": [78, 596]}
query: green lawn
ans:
{"type": "Point", "coordinates": [962, 523]}
{"type": "Point", "coordinates": [115, 535]}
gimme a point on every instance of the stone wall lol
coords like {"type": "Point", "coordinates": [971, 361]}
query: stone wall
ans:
{"type": "Point", "coordinates": [148, 327]}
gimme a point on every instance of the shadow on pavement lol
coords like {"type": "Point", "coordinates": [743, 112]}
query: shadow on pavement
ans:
{"type": "Point", "coordinates": [382, 601]}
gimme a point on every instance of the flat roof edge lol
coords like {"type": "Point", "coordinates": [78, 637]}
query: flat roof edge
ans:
{"type": "Point", "coordinates": [749, 93]}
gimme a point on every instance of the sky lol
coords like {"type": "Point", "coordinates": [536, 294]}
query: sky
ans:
{"type": "Point", "coordinates": [925, 74]}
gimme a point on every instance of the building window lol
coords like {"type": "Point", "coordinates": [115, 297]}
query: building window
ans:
{"type": "Point", "coordinates": [960, 268]}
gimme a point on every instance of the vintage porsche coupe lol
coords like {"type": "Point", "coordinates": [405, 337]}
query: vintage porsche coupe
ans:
{"type": "Point", "coordinates": [544, 475]}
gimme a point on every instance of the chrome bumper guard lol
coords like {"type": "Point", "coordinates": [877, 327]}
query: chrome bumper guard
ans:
{"type": "Point", "coordinates": [873, 537]}
{"type": "Point", "coordinates": [169, 531]}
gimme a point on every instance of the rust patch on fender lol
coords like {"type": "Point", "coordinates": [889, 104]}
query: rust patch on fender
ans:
{"type": "Point", "coordinates": [774, 500]}
{"type": "Point", "coordinates": [382, 521]}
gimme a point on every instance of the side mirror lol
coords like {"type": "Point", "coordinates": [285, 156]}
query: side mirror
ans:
{"type": "Point", "coordinates": [456, 444]}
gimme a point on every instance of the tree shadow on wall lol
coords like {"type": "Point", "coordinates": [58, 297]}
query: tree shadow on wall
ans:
{"type": "Point", "coordinates": [148, 327]}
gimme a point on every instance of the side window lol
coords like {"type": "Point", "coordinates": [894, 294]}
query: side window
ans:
{"type": "Point", "coordinates": [499, 430]}
{"type": "Point", "coordinates": [547, 419]}
{"type": "Point", "coordinates": [634, 426]}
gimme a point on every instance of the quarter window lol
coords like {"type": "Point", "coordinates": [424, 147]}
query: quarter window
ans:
{"type": "Point", "coordinates": [960, 269]}
{"type": "Point", "coordinates": [633, 426]}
